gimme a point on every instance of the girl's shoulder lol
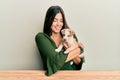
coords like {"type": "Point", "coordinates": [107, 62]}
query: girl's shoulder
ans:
{"type": "Point", "coordinates": [42, 35]}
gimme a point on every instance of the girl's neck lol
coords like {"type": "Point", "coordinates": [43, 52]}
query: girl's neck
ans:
{"type": "Point", "coordinates": [57, 38]}
{"type": "Point", "coordinates": [55, 35]}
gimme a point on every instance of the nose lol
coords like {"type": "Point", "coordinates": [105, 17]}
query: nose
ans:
{"type": "Point", "coordinates": [58, 23]}
{"type": "Point", "coordinates": [65, 39]}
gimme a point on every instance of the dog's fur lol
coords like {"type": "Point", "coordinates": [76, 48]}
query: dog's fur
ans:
{"type": "Point", "coordinates": [69, 39]}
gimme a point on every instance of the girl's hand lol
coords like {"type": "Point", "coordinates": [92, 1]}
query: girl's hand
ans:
{"type": "Point", "coordinates": [77, 59]}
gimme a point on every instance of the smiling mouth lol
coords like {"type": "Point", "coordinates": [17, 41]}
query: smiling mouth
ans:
{"type": "Point", "coordinates": [57, 28]}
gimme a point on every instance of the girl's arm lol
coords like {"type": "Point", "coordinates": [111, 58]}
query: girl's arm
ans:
{"type": "Point", "coordinates": [77, 59]}
{"type": "Point", "coordinates": [74, 53]}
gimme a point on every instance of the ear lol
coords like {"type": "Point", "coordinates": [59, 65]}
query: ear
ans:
{"type": "Point", "coordinates": [71, 32]}
{"type": "Point", "coordinates": [63, 31]}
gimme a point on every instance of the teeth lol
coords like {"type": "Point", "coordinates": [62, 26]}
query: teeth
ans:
{"type": "Point", "coordinates": [57, 28]}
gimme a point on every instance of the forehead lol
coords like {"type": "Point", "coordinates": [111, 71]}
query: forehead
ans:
{"type": "Point", "coordinates": [66, 31]}
{"type": "Point", "coordinates": [58, 16]}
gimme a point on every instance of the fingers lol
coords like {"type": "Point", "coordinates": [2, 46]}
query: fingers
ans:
{"type": "Point", "coordinates": [81, 46]}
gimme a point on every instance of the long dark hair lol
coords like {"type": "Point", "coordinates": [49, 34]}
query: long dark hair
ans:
{"type": "Point", "coordinates": [50, 15]}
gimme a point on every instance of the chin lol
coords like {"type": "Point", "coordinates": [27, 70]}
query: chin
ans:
{"type": "Point", "coordinates": [57, 31]}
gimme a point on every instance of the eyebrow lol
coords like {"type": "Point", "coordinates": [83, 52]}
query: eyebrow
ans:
{"type": "Point", "coordinates": [57, 19]}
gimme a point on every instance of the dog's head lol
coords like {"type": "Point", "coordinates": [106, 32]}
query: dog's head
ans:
{"type": "Point", "coordinates": [67, 33]}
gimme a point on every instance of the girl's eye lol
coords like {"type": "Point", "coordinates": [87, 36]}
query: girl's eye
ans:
{"type": "Point", "coordinates": [61, 21]}
{"type": "Point", "coordinates": [69, 35]}
{"type": "Point", "coordinates": [54, 20]}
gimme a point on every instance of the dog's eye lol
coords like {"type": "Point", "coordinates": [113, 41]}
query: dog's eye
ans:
{"type": "Point", "coordinates": [63, 34]}
{"type": "Point", "coordinates": [54, 20]}
{"type": "Point", "coordinates": [69, 35]}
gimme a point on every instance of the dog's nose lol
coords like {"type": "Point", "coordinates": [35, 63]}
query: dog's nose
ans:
{"type": "Point", "coordinates": [64, 39]}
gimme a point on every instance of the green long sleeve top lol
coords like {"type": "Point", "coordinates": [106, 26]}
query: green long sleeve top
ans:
{"type": "Point", "coordinates": [52, 60]}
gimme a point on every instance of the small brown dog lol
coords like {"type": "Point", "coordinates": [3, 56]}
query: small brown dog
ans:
{"type": "Point", "coordinates": [68, 39]}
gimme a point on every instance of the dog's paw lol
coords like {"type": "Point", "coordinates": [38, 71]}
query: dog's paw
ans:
{"type": "Point", "coordinates": [71, 63]}
{"type": "Point", "coordinates": [81, 55]}
{"type": "Point", "coordinates": [57, 50]}
{"type": "Point", "coordinates": [65, 52]}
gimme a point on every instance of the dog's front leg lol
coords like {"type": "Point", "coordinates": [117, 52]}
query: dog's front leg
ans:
{"type": "Point", "coordinates": [82, 56]}
{"type": "Point", "coordinates": [59, 48]}
{"type": "Point", "coordinates": [68, 50]}
{"type": "Point", "coordinates": [71, 47]}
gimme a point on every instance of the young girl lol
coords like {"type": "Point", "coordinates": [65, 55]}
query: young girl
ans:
{"type": "Point", "coordinates": [48, 40]}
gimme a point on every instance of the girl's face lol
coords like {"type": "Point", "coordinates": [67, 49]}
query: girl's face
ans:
{"type": "Point", "coordinates": [57, 23]}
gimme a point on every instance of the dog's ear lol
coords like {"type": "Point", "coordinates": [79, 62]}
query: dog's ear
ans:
{"type": "Point", "coordinates": [71, 32]}
{"type": "Point", "coordinates": [63, 31]}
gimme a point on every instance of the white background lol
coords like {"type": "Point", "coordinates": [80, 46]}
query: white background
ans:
{"type": "Point", "coordinates": [96, 23]}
